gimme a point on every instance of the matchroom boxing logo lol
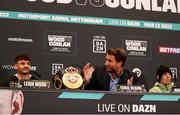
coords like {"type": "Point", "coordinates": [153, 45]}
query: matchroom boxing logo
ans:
{"type": "Point", "coordinates": [20, 39]}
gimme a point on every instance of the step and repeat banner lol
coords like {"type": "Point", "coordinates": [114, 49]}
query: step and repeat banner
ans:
{"type": "Point", "coordinates": [59, 33]}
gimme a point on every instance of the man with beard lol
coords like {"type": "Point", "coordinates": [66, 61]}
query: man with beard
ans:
{"type": "Point", "coordinates": [113, 73]}
{"type": "Point", "coordinates": [22, 66]}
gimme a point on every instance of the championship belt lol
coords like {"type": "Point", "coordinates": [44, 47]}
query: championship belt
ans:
{"type": "Point", "coordinates": [57, 82]}
{"type": "Point", "coordinates": [70, 78]}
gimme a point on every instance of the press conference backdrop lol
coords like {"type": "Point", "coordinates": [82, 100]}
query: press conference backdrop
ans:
{"type": "Point", "coordinates": [59, 33]}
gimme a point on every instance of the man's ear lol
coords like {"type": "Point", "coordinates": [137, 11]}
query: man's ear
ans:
{"type": "Point", "coordinates": [17, 102]}
{"type": "Point", "coordinates": [120, 63]}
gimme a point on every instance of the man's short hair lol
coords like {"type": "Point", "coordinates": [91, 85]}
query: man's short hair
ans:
{"type": "Point", "coordinates": [119, 54]}
{"type": "Point", "coordinates": [22, 57]}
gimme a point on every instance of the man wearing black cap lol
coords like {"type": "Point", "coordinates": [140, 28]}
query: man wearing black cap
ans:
{"type": "Point", "coordinates": [164, 83]}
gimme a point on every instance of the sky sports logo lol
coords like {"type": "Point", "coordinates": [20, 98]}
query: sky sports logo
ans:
{"type": "Point", "coordinates": [169, 50]}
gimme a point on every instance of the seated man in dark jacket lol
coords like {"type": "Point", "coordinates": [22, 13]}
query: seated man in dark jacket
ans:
{"type": "Point", "coordinates": [22, 66]}
{"type": "Point", "coordinates": [113, 73]}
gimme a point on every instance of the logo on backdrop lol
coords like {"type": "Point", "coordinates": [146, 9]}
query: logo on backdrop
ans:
{"type": "Point", "coordinates": [99, 44]}
{"type": "Point", "coordinates": [137, 71]}
{"type": "Point", "coordinates": [12, 67]}
{"type": "Point", "coordinates": [174, 73]}
{"type": "Point", "coordinates": [19, 39]}
{"type": "Point", "coordinates": [60, 43]}
{"type": "Point", "coordinates": [169, 50]}
{"type": "Point", "coordinates": [137, 46]}
{"type": "Point", "coordinates": [56, 67]}
{"type": "Point", "coordinates": [168, 5]}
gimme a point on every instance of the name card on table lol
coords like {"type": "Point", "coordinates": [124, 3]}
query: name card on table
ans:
{"type": "Point", "coordinates": [31, 84]}
{"type": "Point", "coordinates": [176, 90]}
{"type": "Point", "coordinates": [132, 88]}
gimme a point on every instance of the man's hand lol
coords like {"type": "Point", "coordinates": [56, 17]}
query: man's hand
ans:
{"type": "Point", "coordinates": [130, 81]}
{"type": "Point", "coordinates": [88, 70]}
